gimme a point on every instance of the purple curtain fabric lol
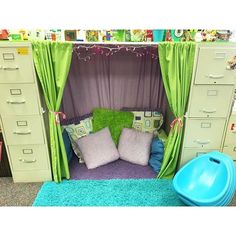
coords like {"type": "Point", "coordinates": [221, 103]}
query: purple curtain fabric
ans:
{"type": "Point", "coordinates": [115, 81]}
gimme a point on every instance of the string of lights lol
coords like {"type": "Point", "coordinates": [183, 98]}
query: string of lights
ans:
{"type": "Point", "coordinates": [86, 52]}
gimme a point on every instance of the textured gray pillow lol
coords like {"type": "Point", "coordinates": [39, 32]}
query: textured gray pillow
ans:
{"type": "Point", "coordinates": [98, 149]}
{"type": "Point", "coordinates": [134, 146]}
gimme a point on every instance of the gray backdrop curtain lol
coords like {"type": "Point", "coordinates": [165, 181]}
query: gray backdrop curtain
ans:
{"type": "Point", "coordinates": [116, 81]}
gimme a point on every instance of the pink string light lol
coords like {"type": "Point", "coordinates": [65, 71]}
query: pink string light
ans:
{"type": "Point", "coordinates": [85, 52]}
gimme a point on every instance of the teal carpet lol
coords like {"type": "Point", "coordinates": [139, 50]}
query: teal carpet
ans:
{"type": "Point", "coordinates": [115, 192]}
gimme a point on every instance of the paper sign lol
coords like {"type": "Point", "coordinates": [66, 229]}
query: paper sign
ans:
{"type": "Point", "coordinates": [23, 51]}
{"type": "Point", "coordinates": [233, 127]}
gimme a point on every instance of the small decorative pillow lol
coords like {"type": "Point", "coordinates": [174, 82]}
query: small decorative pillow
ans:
{"type": "Point", "coordinates": [77, 131]}
{"type": "Point", "coordinates": [134, 146]}
{"type": "Point", "coordinates": [98, 149]}
{"type": "Point", "coordinates": [146, 120]}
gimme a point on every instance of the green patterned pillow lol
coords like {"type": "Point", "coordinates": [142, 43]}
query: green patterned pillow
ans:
{"type": "Point", "coordinates": [147, 121]}
{"type": "Point", "coordinates": [114, 120]}
{"type": "Point", "coordinates": [78, 131]}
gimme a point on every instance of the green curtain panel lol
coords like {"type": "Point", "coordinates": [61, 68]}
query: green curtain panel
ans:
{"type": "Point", "coordinates": [176, 61]}
{"type": "Point", "coordinates": [52, 62]}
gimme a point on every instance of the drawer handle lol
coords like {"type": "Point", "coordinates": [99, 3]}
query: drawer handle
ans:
{"type": "Point", "coordinates": [26, 161]}
{"type": "Point", "coordinates": [202, 142]}
{"type": "Point", "coordinates": [208, 111]}
{"type": "Point", "coordinates": [220, 55]}
{"type": "Point", "coordinates": [11, 68]}
{"type": "Point", "coordinates": [15, 102]}
{"type": "Point", "coordinates": [215, 76]}
{"type": "Point", "coordinates": [22, 133]}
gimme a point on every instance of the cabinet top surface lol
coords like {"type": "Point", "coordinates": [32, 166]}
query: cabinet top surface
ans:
{"type": "Point", "coordinates": [217, 44]}
{"type": "Point", "coordinates": [15, 44]}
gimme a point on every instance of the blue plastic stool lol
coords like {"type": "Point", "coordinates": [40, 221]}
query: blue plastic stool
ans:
{"type": "Point", "coordinates": [208, 180]}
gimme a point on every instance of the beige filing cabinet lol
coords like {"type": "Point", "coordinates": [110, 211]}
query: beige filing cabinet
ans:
{"type": "Point", "coordinates": [210, 100]}
{"type": "Point", "coordinates": [21, 114]}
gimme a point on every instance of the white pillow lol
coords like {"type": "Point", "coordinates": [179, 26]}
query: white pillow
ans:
{"type": "Point", "coordinates": [98, 149]}
{"type": "Point", "coordinates": [134, 146]}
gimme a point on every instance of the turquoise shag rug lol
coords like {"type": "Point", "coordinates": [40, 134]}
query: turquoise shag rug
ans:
{"type": "Point", "coordinates": [114, 192]}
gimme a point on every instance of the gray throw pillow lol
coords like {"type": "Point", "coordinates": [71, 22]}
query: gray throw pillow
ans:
{"type": "Point", "coordinates": [134, 146]}
{"type": "Point", "coordinates": [98, 149]}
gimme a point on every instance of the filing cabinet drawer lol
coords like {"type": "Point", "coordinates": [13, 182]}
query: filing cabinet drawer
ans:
{"type": "Point", "coordinates": [18, 99]}
{"type": "Point", "coordinates": [23, 129]}
{"type": "Point", "coordinates": [230, 150]}
{"type": "Point", "coordinates": [32, 176]}
{"type": "Point", "coordinates": [205, 133]}
{"type": "Point", "coordinates": [16, 65]}
{"type": "Point", "coordinates": [189, 154]}
{"type": "Point", "coordinates": [212, 66]}
{"type": "Point", "coordinates": [210, 100]}
{"type": "Point", "coordinates": [28, 157]}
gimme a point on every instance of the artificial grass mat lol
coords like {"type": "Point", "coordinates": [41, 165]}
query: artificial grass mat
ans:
{"type": "Point", "coordinates": [114, 120]}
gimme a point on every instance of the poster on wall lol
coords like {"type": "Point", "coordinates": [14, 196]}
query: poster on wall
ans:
{"type": "Point", "coordinates": [70, 35]}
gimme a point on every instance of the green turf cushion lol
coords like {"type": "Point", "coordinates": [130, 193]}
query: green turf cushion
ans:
{"type": "Point", "coordinates": [114, 120]}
